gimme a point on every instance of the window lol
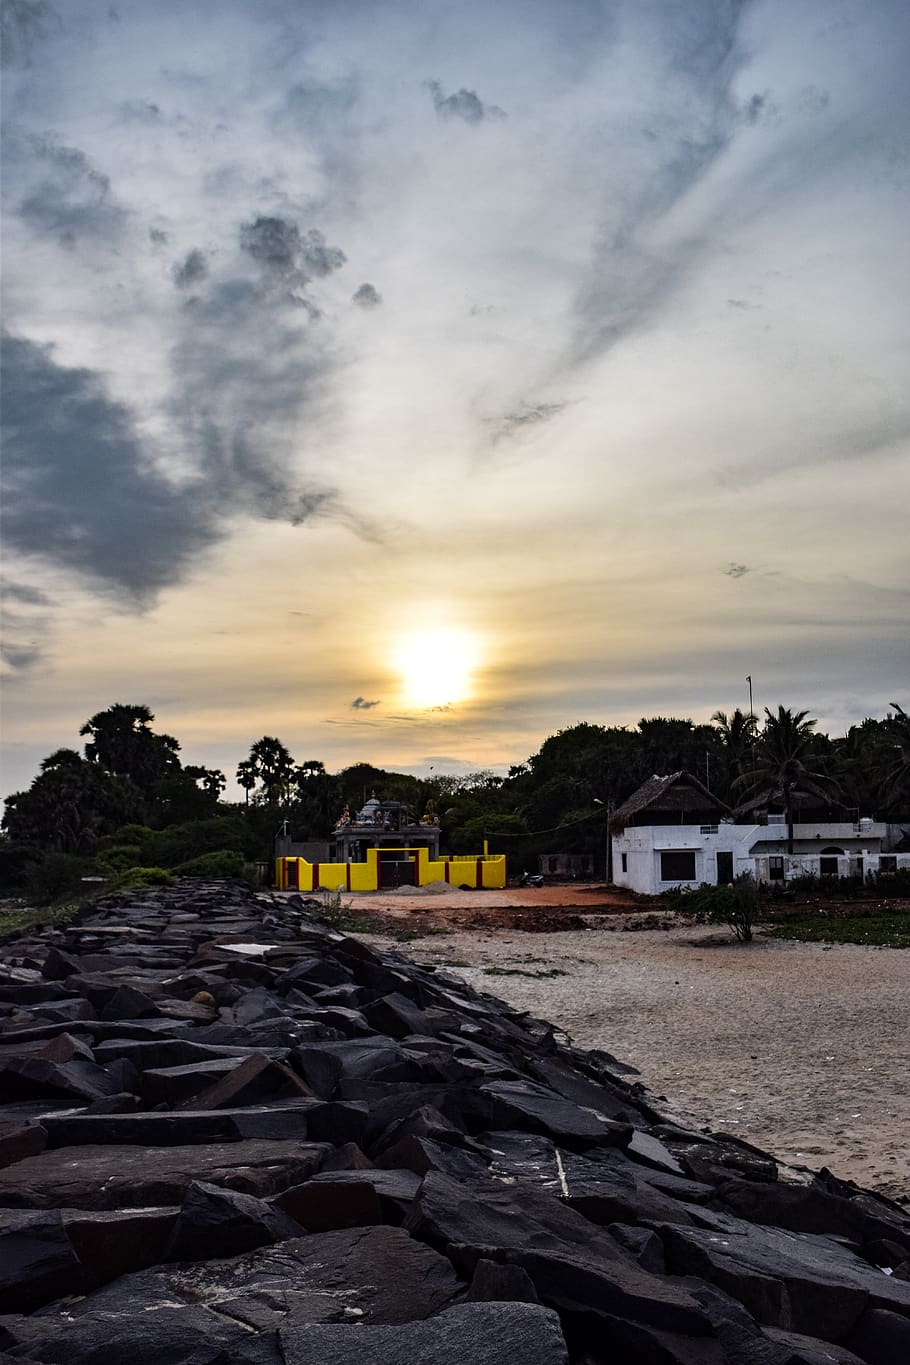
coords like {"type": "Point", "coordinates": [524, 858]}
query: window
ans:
{"type": "Point", "coordinates": [624, 858]}
{"type": "Point", "coordinates": [827, 867]}
{"type": "Point", "coordinates": [708, 829]}
{"type": "Point", "coordinates": [775, 868]}
{"type": "Point", "coordinates": [677, 865]}
{"type": "Point", "coordinates": [887, 862]}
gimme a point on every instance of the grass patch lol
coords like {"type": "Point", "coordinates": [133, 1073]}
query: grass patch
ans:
{"type": "Point", "coordinates": [519, 971]}
{"type": "Point", "coordinates": [881, 926]}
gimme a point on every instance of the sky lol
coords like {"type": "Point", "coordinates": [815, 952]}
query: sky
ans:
{"type": "Point", "coordinates": [412, 380]}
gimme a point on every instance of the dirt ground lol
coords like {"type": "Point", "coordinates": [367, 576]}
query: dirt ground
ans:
{"type": "Point", "coordinates": [800, 1048]}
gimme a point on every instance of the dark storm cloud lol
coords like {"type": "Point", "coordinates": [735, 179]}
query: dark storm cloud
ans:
{"type": "Point", "coordinates": [736, 570]}
{"type": "Point", "coordinates": [23, 25]}
{"type": "Point", "coordinates": [66, 196]}
{"type": "Point", "coordinates": [158, 237]}
{"type": "Point", "coordinates": [361, 704]}
{"type": "Point", "coordinates": [78, 489]}
{"type": "Point", "coordinates": [279, 246]}
{"type": "Point", "coordinates": [274, 242]}
{"type": "Point", "coordinates": [463, 104]}
{"type": "Point", "coordinates": [367, 296]}
{"type": "Point", "coordinates": [524, 416]}
{"type": "Point", "coordinates": [191, 270]}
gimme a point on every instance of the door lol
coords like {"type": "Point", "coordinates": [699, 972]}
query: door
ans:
{"type": "Point", "coordinates": [395, 870]}
{"type": "Point", "coordinates": [724, 868]}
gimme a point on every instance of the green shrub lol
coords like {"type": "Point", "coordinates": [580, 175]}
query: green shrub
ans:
{"type": "Point", "coordinates": [893, 883]}
{"type": "Point", "coordinates": [223, 863]}
{"type": "Point", "coordinates": [56, 876]}
{"type": "Point", "coordinates": [143, 876]}
{"type": "Point", "coordinates": [117, 859]}
{"type": "Point", "coordinates": [737, 905]}
{"type": "Point", "coordinates": [17, 863]}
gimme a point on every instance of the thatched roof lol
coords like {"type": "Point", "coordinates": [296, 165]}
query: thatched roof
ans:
{"type": "Point", "coordinates": [677, 791]}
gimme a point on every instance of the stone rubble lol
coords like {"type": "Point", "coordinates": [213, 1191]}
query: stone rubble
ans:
{"type": "Point", "coordinates": [231, 1135]}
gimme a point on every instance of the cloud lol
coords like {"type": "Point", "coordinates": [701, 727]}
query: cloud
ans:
{"type": "Point", "coordinates": [526, 415]}
{"type": "Point", "coordinates": [193, 269]}
{"type": "Point", "coordinates": [656, 158]}
{"type": "Point", "coordinates": [278, 244]}
{"type": "Point", "coordinates": [79, 489]}
{"type": "Point", "coordinates": [361, 704]}
{"type": "Point", "coordinates": [23, 24]}
{"type": "Point", "coordinates": [367, 296]}
{"type": "Point", "coordinates": [65, 196]}
{"type": "Point", "coordinates": [734, 570]}
{"type": "Point", "coordinates": [24, 593]}
{"type": "Point", "coordinates": [464, 104]}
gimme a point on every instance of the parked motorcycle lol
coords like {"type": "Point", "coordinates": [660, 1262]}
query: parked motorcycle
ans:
{"type": "Point", "coordinates": [530, 879]}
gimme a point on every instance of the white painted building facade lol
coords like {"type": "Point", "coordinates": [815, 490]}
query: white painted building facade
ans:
{"type": "Point", "coordinates": [653, 857]}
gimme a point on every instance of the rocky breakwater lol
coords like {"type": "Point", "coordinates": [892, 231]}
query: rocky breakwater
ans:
{"type": "Point", "coordinates": [229, 1134]}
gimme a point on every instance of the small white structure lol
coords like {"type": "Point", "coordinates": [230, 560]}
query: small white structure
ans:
{"type": "Point", "coordinates": [673, 832]}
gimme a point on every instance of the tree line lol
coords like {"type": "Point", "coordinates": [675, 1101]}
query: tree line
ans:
{"type": "Point", "coordinates": [127, 799]}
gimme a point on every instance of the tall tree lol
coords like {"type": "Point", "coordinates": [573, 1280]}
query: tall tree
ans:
{"type": "Point", "coordinates": [895, 778]}
{"type": "Point", "coordinates": [273, 767]}
{"type": "Point", "coordinates": [123, 743]}
{"type": "Point", "coordinates": [738, 734]}
{"type": "Point", "coordinates": [70, 805]}
{"type": "Point", "coordinates": [786, 765]}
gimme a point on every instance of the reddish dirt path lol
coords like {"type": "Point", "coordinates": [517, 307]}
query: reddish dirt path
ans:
{"type": "Point", "coordinates": [537, 910]}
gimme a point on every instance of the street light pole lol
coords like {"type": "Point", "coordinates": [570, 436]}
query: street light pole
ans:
{"type": "Point", "coordinates": [608, 855]}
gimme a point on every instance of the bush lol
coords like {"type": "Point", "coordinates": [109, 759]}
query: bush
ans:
{"type": "Point", "coordinates": [17, 863]}
{"type": "Point", "coordinates": [893, 883]}
{"type": "Point", "coordinates": [738, 905]}
{"type": "Point", "coordinates": [118, 859]}
{"type": "Point", "coordinates": [143, 876]}
{"type": "Point", "coordinates": [223, 863]}
{"type": "Point", "coordinates": [56, 876]}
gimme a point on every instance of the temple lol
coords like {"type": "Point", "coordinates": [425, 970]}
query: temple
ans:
{"type": "Point", "coordinates": [381, 847]}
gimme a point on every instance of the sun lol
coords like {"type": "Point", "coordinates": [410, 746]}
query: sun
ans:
{"type": "Point", "coordinates": [436, 666]}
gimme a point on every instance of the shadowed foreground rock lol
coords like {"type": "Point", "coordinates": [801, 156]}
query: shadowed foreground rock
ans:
{"type": "Point", "coordinates": [229, 1134]}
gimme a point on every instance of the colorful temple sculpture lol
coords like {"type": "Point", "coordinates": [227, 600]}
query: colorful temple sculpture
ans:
{"type": "Point", "coordinates": [384, 846]}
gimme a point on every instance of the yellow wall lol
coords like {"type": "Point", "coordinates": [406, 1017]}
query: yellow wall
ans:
{"type": "Point", "coordinates": [487, 871]}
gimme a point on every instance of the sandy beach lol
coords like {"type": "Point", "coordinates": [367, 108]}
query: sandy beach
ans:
{"type": "Point", "coordinates": [800, 1048]}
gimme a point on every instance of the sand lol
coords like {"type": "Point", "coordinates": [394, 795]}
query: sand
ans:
{"type": "Point", "coordinates": [800, 1048]}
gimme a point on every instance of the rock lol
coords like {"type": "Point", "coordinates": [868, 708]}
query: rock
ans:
{"type": "Point", "coordinates": [881, 1337]}
{"type": "Point", "coordinates": [494, 1283]}
{"type": "Point", "coordinates": [522, 1104]}
{"type": "Point", "coordinates": [110, 1177]}
{"type": "Point", "coordinates": [113, 1243]}
{"type": "Point", "coordinates": [470, 1334]}
{"type": "Point", "coordinates": [218, 1222]}
{"type": "Point", "coordinates": [37, 1260]}
{"type": "Point", "coordinates": [567, 1258]}
{"type": "Point", "coordinates": [808, 1284]}
{"type": "Point", "coordinates": [19, 1140]}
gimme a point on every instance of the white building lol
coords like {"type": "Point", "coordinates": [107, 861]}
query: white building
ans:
{"type": "Point", "coordinates": [673, 832]}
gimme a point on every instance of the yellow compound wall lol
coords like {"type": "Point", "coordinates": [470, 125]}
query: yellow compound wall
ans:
{"type": "Point", "coordinates": [486, 871]}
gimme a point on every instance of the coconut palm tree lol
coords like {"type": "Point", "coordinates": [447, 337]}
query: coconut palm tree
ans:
{"type": "Point", "coordinates": [895, 779]}
{"type": "Point", "coordinates": [738, 735]}
{"type": "Point", "coordinates": [786, 765]}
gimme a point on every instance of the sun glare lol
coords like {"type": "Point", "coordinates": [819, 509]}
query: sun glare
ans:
{"type": "Point", "coordinates": [436, 666]}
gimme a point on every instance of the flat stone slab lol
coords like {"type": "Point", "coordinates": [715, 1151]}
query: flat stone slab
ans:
{"type": "Point", "coordinates": [113, 1178]}
{"type": "Point", "coordinates": [470, 1334]}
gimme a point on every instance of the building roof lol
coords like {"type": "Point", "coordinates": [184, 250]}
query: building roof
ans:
{"type": "Point", "coordinates": [675, 791]}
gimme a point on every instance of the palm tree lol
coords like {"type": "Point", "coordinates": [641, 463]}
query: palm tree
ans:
{"type": "Point", "coordinates": [896, 774]}
{"type": "Point", "coordinates": [738, 734]}
{"type": "Point", "coordinates": [785, 765]}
